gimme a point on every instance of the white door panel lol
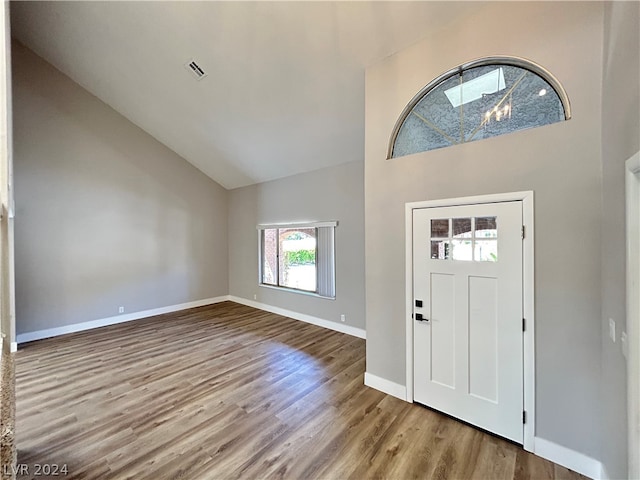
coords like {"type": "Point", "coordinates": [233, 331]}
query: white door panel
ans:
{"type": "Point", "coordinates": [443, 332]}
{"type": "Point", "coordinates": [468, 344]}
{"type": "Point", "coordinates": [483, 338]}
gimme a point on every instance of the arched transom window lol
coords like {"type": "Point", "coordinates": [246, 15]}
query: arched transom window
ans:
{"type": "Point", "coordinates": [481, 99]}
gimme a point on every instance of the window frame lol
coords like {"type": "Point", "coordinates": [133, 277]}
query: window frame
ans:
{"type": "Point", "coordinates": [519, 62]}
{"type": "Point", "coordinates": [287, 226]}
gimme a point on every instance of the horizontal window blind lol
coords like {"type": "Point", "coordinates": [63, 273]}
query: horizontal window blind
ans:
{"type": "Point", "coordinates": [325, 262]}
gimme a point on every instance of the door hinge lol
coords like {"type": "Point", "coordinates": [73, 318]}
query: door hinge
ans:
{"type": "Point", "coordinates": [524, 416]}
{"type": "Point", "coordinates": [523, 325]}
{"type": "Point", "coordinates": [523, 232]}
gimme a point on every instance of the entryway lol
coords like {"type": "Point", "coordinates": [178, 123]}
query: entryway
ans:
{"type": "Point", "coordinates": [470, 289]}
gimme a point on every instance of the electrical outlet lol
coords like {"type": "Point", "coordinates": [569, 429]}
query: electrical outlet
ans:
{"type": "Point", "coordinates": [120, 309]}
{"type": "Point", "coordinates": [255, 297]}
{"type": "Point", "coordinates": [343, 318]}
{"type": "Point", "coordinates": [624, 345]}
{"type": "Point", "coordinates": [612, 330]}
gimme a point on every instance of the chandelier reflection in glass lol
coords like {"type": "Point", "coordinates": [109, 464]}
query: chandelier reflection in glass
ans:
{"type": "Point", "coordinates": [498, 113]}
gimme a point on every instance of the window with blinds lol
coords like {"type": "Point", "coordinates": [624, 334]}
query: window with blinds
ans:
{"type": "Point", "coordinates": [298, 257]}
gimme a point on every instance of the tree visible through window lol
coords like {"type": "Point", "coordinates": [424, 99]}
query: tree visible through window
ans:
{"type": "Point", "coordinates": [297, 260]}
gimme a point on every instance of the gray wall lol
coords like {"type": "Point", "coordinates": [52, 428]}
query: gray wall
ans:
{"type": "Point", "coordinates": [560, 163]}
{"type": "Point", "coordinates": [106, 215]}
{"type": "Point", "coordinates": [334, 193]}
{"type": "Point", "coordinates": [620, 140]}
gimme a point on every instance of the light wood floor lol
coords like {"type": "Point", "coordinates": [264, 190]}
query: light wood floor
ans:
{"type": "Point", "coordinates": [227, 391]}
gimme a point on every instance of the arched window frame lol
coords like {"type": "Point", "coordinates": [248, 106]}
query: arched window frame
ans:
{"type": "Point", "coordinates": [523, 63]}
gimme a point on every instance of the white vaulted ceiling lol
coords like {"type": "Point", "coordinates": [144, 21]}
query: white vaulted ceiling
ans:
{"type": "Point", "coordinates": [284, 91]}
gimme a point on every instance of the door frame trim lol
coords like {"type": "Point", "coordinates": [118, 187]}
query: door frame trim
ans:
{"type": "Point", "coordinates": [632, 234]}
{"type": "Point", "coordinates": [528, 286]}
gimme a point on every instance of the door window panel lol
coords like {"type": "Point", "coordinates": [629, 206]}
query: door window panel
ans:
{"type": "Point", "coordinates": [439, 249]}
{"type": "Point", "coordinates": [462, 250]}
{"type": "Point", "coordinates": [486, 251]}
{"type": "Point", "coordinates": [486, 227]}
{"type": "Point", "coordinates": [462, 228]}
{"type": "Point", "coordinates": [465, 239]}
{"type": "Point", "coordinates": [440, 228]}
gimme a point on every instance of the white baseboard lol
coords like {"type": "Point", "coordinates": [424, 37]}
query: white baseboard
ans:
{"type": "Point", "coordinates": [385, 386]}
{"type": "Point", "coordinates": [578, 462]}
{"type": "Point", "coordinates": [103, 322]}
{"type": "Point", "coordinates": [338, 327]}
{"type": "Point", "coordinates": [14, 347]}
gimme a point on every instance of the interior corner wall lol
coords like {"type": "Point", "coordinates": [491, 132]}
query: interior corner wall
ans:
{"type": "Point", "coordinates": [106, 215]}
{"type": "Point", "coordinates": [334, 193]}
{"type": "Point", "coordinates": [559, 162]}
{"type": "Point", "coordinates": [620, 140]}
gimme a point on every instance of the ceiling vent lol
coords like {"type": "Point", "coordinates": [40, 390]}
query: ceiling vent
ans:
{"type": "Point", "coordinates": [195, 69]}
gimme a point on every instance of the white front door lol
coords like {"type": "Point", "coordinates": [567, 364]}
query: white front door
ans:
{"type": "Point", "coordinates": [467, 286]}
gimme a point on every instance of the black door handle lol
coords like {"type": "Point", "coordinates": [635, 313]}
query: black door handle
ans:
{"type": "Point", "coordinates": [421, 318]}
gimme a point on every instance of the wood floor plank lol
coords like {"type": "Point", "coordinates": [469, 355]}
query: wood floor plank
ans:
{"type": "Point", "coordinates": [530, 467]}
{"type": "Point", "coordinates": [227, 391]}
